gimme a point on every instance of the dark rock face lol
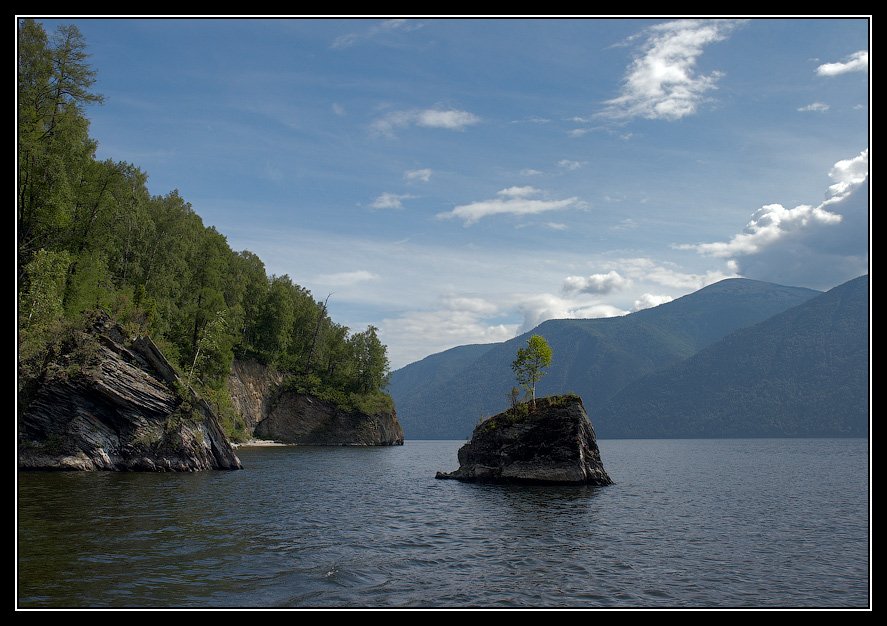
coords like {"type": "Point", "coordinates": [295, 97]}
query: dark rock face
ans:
{"type": "Point", "coordinates": [295, 418]}
{"type": "Point", "coordinates": [117, 410]}
{"type": "Point", "coordinates": [305, 420]}
{"type": "Point", "coordinates": [553, 444]}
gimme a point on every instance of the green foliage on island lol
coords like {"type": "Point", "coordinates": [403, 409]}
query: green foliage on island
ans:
{"type": "Point", "coordinates": [529, 366]}
{"type": "Point", "coordinates": [91, 236]}
{"type": "Point", "coordinates": [522, 410]}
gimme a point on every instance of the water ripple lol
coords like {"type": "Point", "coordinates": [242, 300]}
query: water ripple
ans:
{"type": "Point", "coordinates": [688, 523]}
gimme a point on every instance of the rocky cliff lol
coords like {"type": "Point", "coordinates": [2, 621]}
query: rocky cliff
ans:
{"type": "Point", "coordinates": [551, 444]}
{"type": "Point", "coordinates": [290, 417]}
{"type": "Point", "coordinates": [302, 419]}
{"type": "Point", "coordinates": [107, 403]}
{"type": "Point", "coordinates": [252, 386]}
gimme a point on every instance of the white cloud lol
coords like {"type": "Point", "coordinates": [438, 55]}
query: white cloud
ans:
{"type": "Point", "coordinates": [649, 300]}
{"type": "Point", "coordinates": [773, 222]}
{"type": "Point", "coordinates": [569, 165]}
{"type": "Point", "coordinates": [661, 82]}
{"type": "Point", "coordinates": [423, 175]}
{"type": "Point", "coordinates": [847, 174]}
{"type": "Point", "coordinates": [338, 109]}
{"type": "Point", "coordinates": [346, 279]}
{"type": "Point", "coordinates": [388, 26]}
{"type": "Point", "coordinates": [390, 200]}
{"type": "Point", "coordinates": [513, 201]}
{"type": "Point", "coordinates": [644, 269]}
{"type": "Point", "coordinates": [819, 107]}
{"type": "Point", "coordinates": [518, 192]}
{"type": "Point", "coordinates": [578, 119]}
{"type": "Point", "coordinates": [578, 132]}
{"type": "Point", "coordinates": [538, 308]}
{"type": "Point", "coordinates": [596, 283]}
{"type": "Point", "coordinates": [459, 321]}
{"type": "Point", "coordinates": [856, 62]}
{"type": "Point", "coordinates": [450, 119]}
{"type": "Point", "coordinates": [530, 172]}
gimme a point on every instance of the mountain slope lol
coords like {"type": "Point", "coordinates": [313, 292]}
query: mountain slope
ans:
{"type": "Point", "coordinates": [801, 373]}
{"type": "Point", "coordinates": [444, 395]}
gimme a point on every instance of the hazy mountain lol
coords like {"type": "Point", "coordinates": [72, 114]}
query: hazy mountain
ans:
{"type": "Point", "coordinates": [444, 395]}
{"type": "Point", "coordinates": [803, 372]}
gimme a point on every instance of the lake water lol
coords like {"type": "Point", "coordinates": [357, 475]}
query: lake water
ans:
{"type": "Point", "coordinates": [688, 523]}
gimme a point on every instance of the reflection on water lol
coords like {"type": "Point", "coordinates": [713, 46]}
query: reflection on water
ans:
{"type": "Point", "coordinates": [688, 523]}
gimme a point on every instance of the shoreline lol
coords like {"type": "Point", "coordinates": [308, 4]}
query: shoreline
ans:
{"type": "Point", "coordinates": [259, 443]}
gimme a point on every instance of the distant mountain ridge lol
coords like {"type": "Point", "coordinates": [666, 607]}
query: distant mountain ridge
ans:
{"type": "Point", "coordinates": [444, 395]}
{"type": "Point", "coordinates": [800, 373]}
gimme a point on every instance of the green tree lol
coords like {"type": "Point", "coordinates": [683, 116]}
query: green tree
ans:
{"type": "Point", "coordinates": [54, 148]}
{"type": "Point", "coordinates": [371, 361]}
{"type": "Point", "coordinates": [529, 364]}
{"type": "Point", "coordinates": [40, 308]}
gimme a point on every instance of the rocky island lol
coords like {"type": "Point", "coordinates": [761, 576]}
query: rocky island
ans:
{"type": "Point", "coordinates": [107, 402]}
{"type": "Point", "coordinates": [553, 443]}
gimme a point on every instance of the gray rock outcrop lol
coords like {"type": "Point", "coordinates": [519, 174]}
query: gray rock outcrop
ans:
{"type": "Point", "coordinates": [118, 409]}
{"type": "Point", "coordinates": [553, 444]}
{"type": "Point", "coordinates": [253, 388]}
{"type": "Point", "coordinates": [272, 412]}
{"type": "Point", "coordinates": [306, 420]}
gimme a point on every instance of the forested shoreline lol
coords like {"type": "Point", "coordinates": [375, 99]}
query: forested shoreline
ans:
{"type": "Point", "coordinates": [92, 237]}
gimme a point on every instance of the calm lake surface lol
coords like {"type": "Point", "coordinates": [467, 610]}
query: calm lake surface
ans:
{"type": "Point", "coordinates": [688, 523]}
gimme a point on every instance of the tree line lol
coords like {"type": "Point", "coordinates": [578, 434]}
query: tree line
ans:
{"type": "Point", "coordinates": [91, 236]}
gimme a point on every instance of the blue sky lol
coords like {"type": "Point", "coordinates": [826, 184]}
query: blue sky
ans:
{"type": "Point", "coordinates": [460, 181]}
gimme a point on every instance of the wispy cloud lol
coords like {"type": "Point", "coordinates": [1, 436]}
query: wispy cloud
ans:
{"type": "Point", "coordinates": [662, 83]}
{"type": "Point", "coordinates": [555, 225]}
{"type": "Point", "coordinates": [578, 132]}
{"type": "Point", "coordinates": [569, 165]}
{"type": "Point", "coordinates": [390, 200]}
{"type": "Point", "coordinates": [626, 224]}
{"type": "Point", "coordinates": [773, 222]}
{"type": "Point", "coordinates": [388, 26]}
{"type": "Point", "coordinates": [450, 119]}
{"type": "Point", "coordinates": [338, 109]}
{"type": "Point", "coordinates": [346, 279]}
{"type": "Point", "coordinates": [856, 62]}
{"type": "Point", "coordinates": [423, 175]}
{"type": "Point", "coordinates": [513, 201]}
{"type": "Point", "coordinates": [596, 283]}
{"type": "Point", "coordinates": [530, 172]}
{"type": "Point", "coordinates": [532, 120]}
{"type": "Point", "coordinates": [818, 107]}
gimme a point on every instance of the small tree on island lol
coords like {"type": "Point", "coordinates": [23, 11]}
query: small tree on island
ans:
{"type": "Point", "coordinates": [529, 364]}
